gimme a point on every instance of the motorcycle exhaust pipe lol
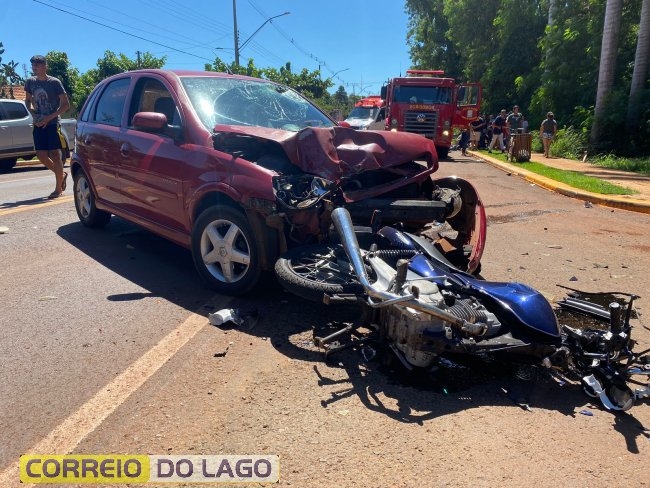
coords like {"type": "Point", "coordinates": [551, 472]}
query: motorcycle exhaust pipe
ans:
{"type": "Point", "coordinates": [345, 228]}
{"type": "Point", "coordinates": [343, 225]}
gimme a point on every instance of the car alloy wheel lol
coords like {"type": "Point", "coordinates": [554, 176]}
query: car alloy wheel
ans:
{"type": "Point", "coordinates": [224, 250]}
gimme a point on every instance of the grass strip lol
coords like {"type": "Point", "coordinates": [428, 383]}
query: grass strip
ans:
{"type": "Point", "coordinates": [572, 178]}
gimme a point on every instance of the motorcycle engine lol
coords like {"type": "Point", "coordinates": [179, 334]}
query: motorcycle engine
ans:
{"type": "Point", "coordinates": [420, 336]}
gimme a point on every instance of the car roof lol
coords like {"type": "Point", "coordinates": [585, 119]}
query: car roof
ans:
{"type": "Point", "coordinates": [194, 73]}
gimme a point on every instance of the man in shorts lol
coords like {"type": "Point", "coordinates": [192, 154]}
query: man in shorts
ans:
{"type": "Point", "coordinates": [46, 99]}
{"type": "Point", "coordinates": [547, 132]}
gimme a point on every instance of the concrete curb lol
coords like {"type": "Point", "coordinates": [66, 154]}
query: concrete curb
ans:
{"type": "Point", "coordinates": [623, 202]}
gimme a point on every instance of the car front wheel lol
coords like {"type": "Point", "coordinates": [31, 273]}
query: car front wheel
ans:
{"type": "Point", "coordinates": [224, 251]}
{"type": "Point", "coordinates": [84, 202]}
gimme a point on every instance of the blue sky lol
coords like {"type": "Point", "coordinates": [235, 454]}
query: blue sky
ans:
{"type": "Point", "coordinates": [360, 43]}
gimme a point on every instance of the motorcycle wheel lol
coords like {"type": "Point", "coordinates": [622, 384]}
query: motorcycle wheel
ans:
{"type": "Point", "coordinates": [312, 271]}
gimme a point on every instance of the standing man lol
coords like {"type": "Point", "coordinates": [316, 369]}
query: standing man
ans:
{"type": "Point", "coordinates": [46, 99]}
{"type": "Point", "coordinates": [515, 121]}
{"type": "Point", "coordinates": [498, 125]}
{"type": "Point", "coordinates": [476, 130]}
{"type": "Point", "coordinates": [547, 132]}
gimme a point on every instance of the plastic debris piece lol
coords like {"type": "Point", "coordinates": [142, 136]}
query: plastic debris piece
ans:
{"type": "Point", "coordinates": [225, 316]}
{"type": "Point", "coordinates": [3, 229]}
{"type": "Point", "coordinates": [588, 413]}
{"type": "Point", "coordinates": [588, 205]}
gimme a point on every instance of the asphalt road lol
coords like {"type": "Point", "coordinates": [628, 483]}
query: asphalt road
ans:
{"type": "Point", "coordinates": [107, 348]}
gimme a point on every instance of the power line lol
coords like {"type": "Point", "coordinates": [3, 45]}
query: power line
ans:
{"type": "Point", "coordinates": [124, 32]}
{"type": "Point", "coordinates": [293, 42]}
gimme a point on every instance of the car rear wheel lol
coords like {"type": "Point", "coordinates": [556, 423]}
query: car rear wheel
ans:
{"type": "Point", "coordinates": [7, 164]}
{"type": "Point", "coordinates": [224, 251]}
{"type": "Point", "coordinates": [84, 202]}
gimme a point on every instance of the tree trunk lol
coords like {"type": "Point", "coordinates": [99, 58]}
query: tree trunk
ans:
{"type": "Point", "coordinates": [609, 48]}
{"type": "Point", "coordinates": [641, 60]}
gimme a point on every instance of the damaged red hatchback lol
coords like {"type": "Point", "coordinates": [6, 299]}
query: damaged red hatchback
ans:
{"type": "Point", "coordinates": [238, 169]}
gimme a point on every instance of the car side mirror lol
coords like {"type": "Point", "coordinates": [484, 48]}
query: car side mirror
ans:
{"type": "Point", "coordinates": [155, 122]}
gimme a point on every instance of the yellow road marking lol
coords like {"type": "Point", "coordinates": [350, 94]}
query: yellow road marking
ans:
{"type": "Point", "coordinates": [46, 203]}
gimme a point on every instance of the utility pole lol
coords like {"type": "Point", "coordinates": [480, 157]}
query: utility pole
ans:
{"type": "Point", "coordinates": [236, 33]}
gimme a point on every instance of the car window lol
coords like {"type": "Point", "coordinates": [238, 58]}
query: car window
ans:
{"type": "Point", "coordinates": [110, 105]}
{"type": "Point", "coordinates": [151, 95]}
{"type": "Point", "coordinates": [15, 110]}
{"type": "Point", "coordinates": [233, 101]}
{"type": "Point", "coordinates": [85, 116]}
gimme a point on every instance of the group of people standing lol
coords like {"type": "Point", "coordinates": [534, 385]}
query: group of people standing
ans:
{"type": "Point", "coordinates": [490, 132]}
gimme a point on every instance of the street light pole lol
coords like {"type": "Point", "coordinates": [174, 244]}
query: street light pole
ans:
{"type": "Point", "coordinates": [339, 71]}
{"type": "Point", "coordinates": [239, 47]}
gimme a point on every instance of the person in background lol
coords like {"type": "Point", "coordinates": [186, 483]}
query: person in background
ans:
{"type": "Point", "coordinates": [46, 100]}
{"type": "Point", "coordinates": [487, 132]}
{"type": "Point", "coordinates": [547, 132]}
{"type": "Point", "coordinates": [464, 140]}
{"type": "Point", "coordinates": [498, 126]}
{"type": "Point", "coordinates": [476, 130]}
{"type": "Point", "coordinates": [515, 121]}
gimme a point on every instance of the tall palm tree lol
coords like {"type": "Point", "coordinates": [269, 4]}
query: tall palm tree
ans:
{"type": "Point", "coordinates": [609, 47]}
{"type": "Point", "coordinates": [641, 60]}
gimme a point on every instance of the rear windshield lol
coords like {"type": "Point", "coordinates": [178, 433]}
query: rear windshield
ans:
{"type": "Point", "coordinates": [234, 101]}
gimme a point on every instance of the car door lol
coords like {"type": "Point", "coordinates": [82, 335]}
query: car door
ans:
{"type": "Point", "coordinates": [99, 137]}
{"type": "Point", "coordinates": [153, 164]}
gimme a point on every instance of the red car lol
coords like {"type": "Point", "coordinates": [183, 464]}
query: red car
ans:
{"type": "Point", "coordinates": [238, 169]}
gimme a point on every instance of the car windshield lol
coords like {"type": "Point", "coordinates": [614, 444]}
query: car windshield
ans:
{"type": "Point", "coordinates": [363, 113]}
{"type": "Point", "coordinates": [233, 101]}
{"type": "Point", "coordinates": [423, 94]}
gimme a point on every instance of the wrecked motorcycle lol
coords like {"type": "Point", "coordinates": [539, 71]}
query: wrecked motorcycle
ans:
{"type": "Point", "coordinates": [423, 310]}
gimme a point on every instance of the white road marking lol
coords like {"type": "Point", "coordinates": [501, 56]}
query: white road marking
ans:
{"type": "Point", "coordinates": [69, 433]}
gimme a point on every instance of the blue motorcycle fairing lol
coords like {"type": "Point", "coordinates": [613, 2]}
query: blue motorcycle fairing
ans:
{"type": "Point", "coordinates": [520, 303]}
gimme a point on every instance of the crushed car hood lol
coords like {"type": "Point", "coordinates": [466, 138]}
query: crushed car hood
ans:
{"type": "Point", "coordinates": [337, 152]}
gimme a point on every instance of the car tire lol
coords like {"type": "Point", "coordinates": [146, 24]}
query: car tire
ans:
{"type": "Point", "coordinates": [224, 250]}
{"type": "Point", "coordinates": [443, 152]}
{"type": "Point", "coordinates": [7, 164]}
{"type": "Point", "coordinates": [84, 202]}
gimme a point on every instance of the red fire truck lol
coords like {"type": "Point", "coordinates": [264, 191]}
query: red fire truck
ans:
{"type": "Point", "coordinates": [427, 103]}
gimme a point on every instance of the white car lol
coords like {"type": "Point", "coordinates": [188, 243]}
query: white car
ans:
{"type": "Point", "coordinates": [16, 139]}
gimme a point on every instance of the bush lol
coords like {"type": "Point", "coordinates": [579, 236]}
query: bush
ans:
{"type": "Point", "coordinates": [569, 143]}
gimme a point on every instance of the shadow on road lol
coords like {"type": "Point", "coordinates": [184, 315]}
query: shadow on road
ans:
{"type": "Point", "coordinates": [167, 271]}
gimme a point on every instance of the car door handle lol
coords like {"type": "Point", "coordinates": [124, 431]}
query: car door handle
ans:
{"type": "Point", "coordinates": [124, 149]}
{"type": "Point", "coordinates": [87, 140]}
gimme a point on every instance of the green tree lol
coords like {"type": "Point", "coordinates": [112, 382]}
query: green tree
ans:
{"type": "Point", "coordinates": [606, 72]}
{"type": "Point", "coordinates": [639, 75]}
{"type": "Point", "coordinates": [58, 65]}
{"type": "Point", "coordinates": [429, 45]}
{"type": "Point", "coordinates": [341, 96]}
{"type": "Point", "coordinates": [8, 76]}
